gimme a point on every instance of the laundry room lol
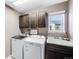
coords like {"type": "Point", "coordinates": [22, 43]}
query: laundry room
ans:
{"type": "Point", "coordinates": [38, 29]}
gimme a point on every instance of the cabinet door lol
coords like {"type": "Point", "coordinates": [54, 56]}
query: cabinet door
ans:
{"type": "Point", "coordinates": [17, 46]}
{"type": "Point", "coordinates": [41, 19]}
{"type": "Point", "coordinates": [33, 21]}
{"type": "Point", "coordinates": [24, 21]}
{"type": "Point", "coordinates": [58, 52]}
{"type": "Point", "coordinates": [32, 51]}
{"type": "Point", "coordinates": [53, 55]}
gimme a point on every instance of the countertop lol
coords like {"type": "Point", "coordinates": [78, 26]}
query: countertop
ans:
{"type": "Point", "coordinates": [60, 42]}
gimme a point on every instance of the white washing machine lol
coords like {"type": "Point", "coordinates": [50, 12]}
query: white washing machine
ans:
{"type": "Point", "coordinates": [34, 47]}
{"type": "Point", "coordinates": [17, 46]}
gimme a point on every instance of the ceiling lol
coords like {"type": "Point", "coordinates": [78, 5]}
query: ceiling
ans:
{"type": "Point", "coordinates": [32, 4]}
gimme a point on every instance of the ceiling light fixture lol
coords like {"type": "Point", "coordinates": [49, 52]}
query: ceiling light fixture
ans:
{"type": "Point", "coordinates": [19, 2]}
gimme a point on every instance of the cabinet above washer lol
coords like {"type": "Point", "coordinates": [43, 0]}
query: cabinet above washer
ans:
{"type": "Point", "coordinates": [33, 20]}
{"type": "Point", "coordinates": [24, 21]}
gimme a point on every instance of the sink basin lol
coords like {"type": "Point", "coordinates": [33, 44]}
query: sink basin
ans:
{"type": "Point", "coordinates": [18, 37]}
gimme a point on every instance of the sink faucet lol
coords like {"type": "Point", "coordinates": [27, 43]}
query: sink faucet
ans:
{"type": "Point", "coordinates": [66, 37]}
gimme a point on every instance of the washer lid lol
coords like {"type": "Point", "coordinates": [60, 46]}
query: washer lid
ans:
{"type": "Point", "coordinates": [20, 37]}
{"type": "Point", "coordinates": [35, 39]}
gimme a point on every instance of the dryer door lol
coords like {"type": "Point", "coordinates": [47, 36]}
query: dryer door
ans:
{"type": "Point", "coordinates": [32, 51]}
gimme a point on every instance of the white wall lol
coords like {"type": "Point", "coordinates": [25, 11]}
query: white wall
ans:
{"type": "Point", "coordinates": [11, 27]}
{"type": "Point", "coordinates": [71, 18]}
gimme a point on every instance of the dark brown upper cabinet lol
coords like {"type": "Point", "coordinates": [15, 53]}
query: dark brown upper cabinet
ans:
{"type": "Point", "coordinates": [24, 21]}
{"type": "Point", "coordinates": [42, 18]}
{"type": "Point", "coordinates": [33, 20]}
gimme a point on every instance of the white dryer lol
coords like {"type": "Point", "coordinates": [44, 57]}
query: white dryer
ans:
{"type": "Point", "coordinates": [34, 47]}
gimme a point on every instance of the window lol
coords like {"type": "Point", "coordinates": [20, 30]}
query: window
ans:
{"type": "Point", "coordinates": [56, 22]}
